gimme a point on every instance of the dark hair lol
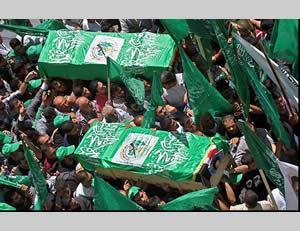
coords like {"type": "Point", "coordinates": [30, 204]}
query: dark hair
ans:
{"type": "Point", "coordinates": [93, 87]}
{"type": "Point", "coordinates": [228, 118]}
{"type": "Point", "coordinates": [61, 185]}
{"type": "Point", "coordinates": [12, 103]}
{"type": "Point", "coordinates": [167, 77]}
{"type": "Point", "coordinates": [78, 91]}
{"type": "Point", "coordinates": [82, 175]}
{"type": "Point", "coordinates": [44, 147]}
{"type": "Point", "coordinates": [67, 126]}
{"type": "Point", "coordinates": [276, 94]}
{"type": "Point", "coordinates": [247, 159]}
{"type": "Point", "coordinates": [153, 203]}
{"type": "Point", "coordinates": [49, 112]}
{"type": "Point", "coordinates": [183, 120]}
{"type": "Point", "coordinates": [14, 42]}
{"type": "Point", "coordinates": [114, 87]}
{"type": "Point", "coordinates": [8, 195]}
{"type": "Point", "coordinates": [14, 84]}
{"type": "Point", "coordinates": [165, 123]}
{"type": "Point", "coordinates": [17, 67]}
{"type": "Point", "coordinates": [19, 156]}
{"type": "Point", "coordinates": [251, 198]}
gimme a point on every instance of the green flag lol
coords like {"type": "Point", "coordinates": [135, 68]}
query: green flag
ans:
{"type": "Point", "coordinates": [6, 181]}
{"type": "Point", "coordinates": [268, 105]}
{"type": "Point", "coordinates": [4, 206]}
{"type": "Point", "coordinates": [39, 180]}
{"type": "Point", "coordinates": [177, 28]}
{"type": "Point", "coordinates": [263, 156]}
{"type": "Point", "coordinates": [203, 96]}
{"type": "Point", "coordinates": [237, 73]}
{"type": "Point", "coordinates": [25, 30]}
{"type": "Point", "coordinates": [203, 198]}
{"type": "Point", "coordinates": [51, 24]}
{"type": "Point", "coordinates": [155, 101]}
{"type": "Point", "coordinates": [134, 86]}
{"type": "Point", "coordinates": [108, 198]}
{"type": "Point", "coordinates": [284, 40]}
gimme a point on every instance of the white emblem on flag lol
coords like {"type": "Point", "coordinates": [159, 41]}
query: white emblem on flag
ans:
{"type": "Point", "coordinates": [111, 46]}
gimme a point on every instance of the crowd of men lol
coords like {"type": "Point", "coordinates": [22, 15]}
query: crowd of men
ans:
{"type": "Point", "coordinates": [53, 114]}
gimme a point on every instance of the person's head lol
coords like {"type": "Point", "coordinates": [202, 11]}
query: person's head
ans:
{"type": "Point", "coordinates": [43, 139]}
{"type": "Point", "coordinates": [49, 151]}
{"type": "Point", "coordinates": [68, 127]}
{"type": "Point", "coordinates": [138, 195]}
{"type": "Point", "coordinates": [280, 102]}
{"type": "Point", "coordinates": [168, 79]}
{"type": "Point", "coordinates": [187, 123]}
{"type": "Point", "coordinates": [97, 87]}
{"type": "Point", "coordinates": [19, 69]}
{"type": "Point", "coordinates": [85, 178]}
{"type": "Point", "coordinates": [84, 104]}
{"type": "Point", "coordinates": [14, 198]}
{"type": "Point", "coordinates": [15, 104]}
{"type": "Point", "coordinates": [250, 198]}
{"type": "Point", "coordinates": [247, 159]}
{"type": "Point", "coordinates": [161, 112]}
{"type": "Point", "coordinates": [58, 85]}
{"type": "Point", "coordinates": [147, 84]}
{"type": "Point", "coordinates": [17, 46]}
{"type": "Point", "coordinates": [49, 113]}
{"type": "Point", "coordinates": [62, 188]}
{"type": "Point", "coordinates": [168, 124]}
{"type": "Point", "coordinates": [110, 114]}
{"type": "Point", "coordinates": [15, 84]}
{"type": "Point", "coordinates": [62, 104]}
{"type": "Point", "coordinates": [295, 184]}
{"type": "Point", "coordinates": [138, 120]}
{"type": "Point", "coordinates": [230, 124]}
{"type": "Point", "coordinates": [21, 160]}
{"type": "Point", "coordinates": [82, 91]}
{"type": "Point", "coordinates": [207, 121]}
{"type": "Point", "coordinates": [117, 91]}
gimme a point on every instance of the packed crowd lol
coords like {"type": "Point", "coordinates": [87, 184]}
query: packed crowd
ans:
{"type": "Point", "coordinates": [52, 115]}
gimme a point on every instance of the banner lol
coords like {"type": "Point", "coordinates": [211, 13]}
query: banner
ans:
{"type": "Point", "coordinates": [4, 180]}
{"type": "Point", "coordinates": [174, 156]}
{"type": "Point", "coordinates": [39, 180]}
{"type": "Point", "coordinates": [288, 81]}
{"type": "Point", "coordinates": [263, 156]}
{"type": "Point", "coordinates": [202, 95]}
{"type": "Point", "coordinates": [78, 54]}
{"type": "Point", "coordinates": [107, 198]}
{"type": "Point", "coordinates": [200, 199]}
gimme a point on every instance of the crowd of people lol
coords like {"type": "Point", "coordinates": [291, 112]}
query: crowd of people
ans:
{"type": "Point", "coordinates": [53, 114]}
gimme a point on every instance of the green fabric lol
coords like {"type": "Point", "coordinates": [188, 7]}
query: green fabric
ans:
{"type": "Point", "coordinates": [202, 95]}
{"type": "Point", "coordinates": [27, 102]}
{"type": "Point", "coordinates": [171, 155]}
{"type": "Point", "coordinates": [34, 50]}
{"type": "Point", "coordinates": [24, 30]}
{"type": "Point", "coordinates": [177, 28]}
{"type": "Point", "coordinates": [5, 139]}
{"type": "Point", "coordinates": [77, 54]}
{"type": "Point", "coordinates": [5, 180]}
{"type": "Point", "coordinates": [20, 180]}
{"type": "Point", "coordinates": [16, 22]}
{"type": "Point", "coordinates": [7, 207]}
{"type": "Point", "coordinates": [60, 119]}
{"type": "Point", "coordinates": [62, 152]}
{"type": "Point", "coordinates": [38, 116]}
{"type": "Point", "coordinates": [263, 156]}
{"type": "Point", "coordinates": [284, 40]}
{"type": "Point", "coordinates": [133, 191]}
{"type": "Point", "coordinates": [51, 24]}
{"type": "Point", "coordinates": [39, 180]}
{"type": "Point", "coordinates": [9, 148]}
{"type": "Point", "coordinates": [203, 198]}
{"type": "Point", "coordinates": [135, 87]}
{"type": "Point", "coordinates": [238, 76]}
{"type": "Point", "coordinates": [155, 101]}
{"type": "Point", "coordinates": [107, 198]}
{"type": "Point", "coordinates": [268, 105]}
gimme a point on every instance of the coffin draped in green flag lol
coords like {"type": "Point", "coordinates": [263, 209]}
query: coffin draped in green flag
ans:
{"type": "Point", "coordinates": [78, 54]}
{"type": "Point", "coordinates": [268, 105]}
{"type": "Point", "coordinates": [39, 180]}
{"type": "Point", "coordinates": [202, 95]}
{"type": "Point", "coordinates": [200, 199]}
{"type": "Point", "coordinates": [176, 157]}
{"type": "Point", "coordinates": [6, 207]}
{"type": "Point", "coordinates": [155, 101]}
{"type": "Point", "coordinates": [108, 198]}
{"type": "Point", "coordinates": [263, 156]}
{"type": "Point", "coordinates": [135, 87]}
{"type": "Point", "coordinates": [238, 76]}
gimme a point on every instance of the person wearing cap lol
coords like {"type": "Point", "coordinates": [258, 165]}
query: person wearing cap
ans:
{"type": "Point", "coordinates": [7, 148]}
{"type": "Point", "coordinates": [138, 195]}
{"type": "Point", "coordinates": [85, 188]}
{"type": "Point", "coordinates": [50, 161]}
{"type": "Point", "coordinates": [5, 139]}
{"type": "Point", "coordinates": [66, 159]}
{"type": "Point", "coordinates": [34, 52]}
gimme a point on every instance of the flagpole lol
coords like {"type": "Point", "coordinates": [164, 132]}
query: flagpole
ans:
{"type": "Point", "coordinates": [262, 174]}
{"type": "Point", "coordinates": [272, 68]}
{"type": "Point", "coordinates": [209, 73]}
